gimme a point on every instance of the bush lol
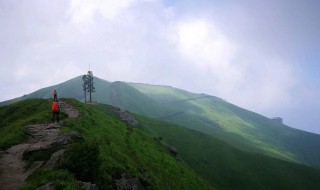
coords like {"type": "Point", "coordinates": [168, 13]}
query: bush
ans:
{"type": "Point", "coordinates": [60, 179]}
{"type": "Point", "coordinates": [81, 159]}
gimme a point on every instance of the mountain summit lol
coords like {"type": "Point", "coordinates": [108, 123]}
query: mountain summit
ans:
{"type": "Point", "coordinates": [208, 114]}
{"type": "Point", "coordinates": [215, 138]}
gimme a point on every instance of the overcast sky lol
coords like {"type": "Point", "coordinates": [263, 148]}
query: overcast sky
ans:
{"type": "Point", "coordinates": [260, 55]}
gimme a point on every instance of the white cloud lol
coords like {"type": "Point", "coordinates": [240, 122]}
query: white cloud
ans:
{"type": "Point", "coordinates": [203, 42]}
{"type": "Point", "coordinates": [203, 45]}
{"type": "Point", "coordinates": [233, 71]}
{"type": "Point", "coordinates": [83, 11]}
{"type": "Point", "coordinates": [268, 87]}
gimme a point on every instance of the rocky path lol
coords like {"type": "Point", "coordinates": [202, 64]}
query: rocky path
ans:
{"type": "Point", "coordinates": [41, 137]}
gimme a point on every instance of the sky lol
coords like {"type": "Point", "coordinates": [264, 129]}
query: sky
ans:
{"type": "Point", "coordinates": [260, 55]}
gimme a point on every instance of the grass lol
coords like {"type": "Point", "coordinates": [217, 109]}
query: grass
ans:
{"type": "Point", "coordinates": [227, 167]}
{"type": "Point", "coordinates": [123, 149]}
{"type": "Point", "coordinates": [211, 115]}
{"type": "Point", "coordinates": [241, 128]}
{"type": "Point", "coordinates": [14, 117]}
{"type": "Point", "coordinates": [110, 148]}
{"type": "Point", "coordinates": [60, 178]}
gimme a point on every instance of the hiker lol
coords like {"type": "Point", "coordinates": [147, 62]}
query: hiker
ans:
{"type": "Point", "coordinates": [55, 110]}
{"type": "Point", "coordinates": [54, 92]}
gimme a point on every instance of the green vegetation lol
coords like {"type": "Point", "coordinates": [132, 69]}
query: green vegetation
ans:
{"type": "Point", "coordinates": [207, 114]}
{"type": "Point", "coordinates": [227, 167]}
{"type": "Point", "coordinates": [213, 116]}
{"type": "Point", "coordinates": [123, 149]}
{"type": "Point", "coordinates": [81, 159]}
{"type": "Point", "coordinates": [14, 117]}
{"type": "Point", "coordinates": [239, 127]}
{"type": "Point", "coordinates": [60, 178]}
{"type": "Point", "coordinates": [110, 148]}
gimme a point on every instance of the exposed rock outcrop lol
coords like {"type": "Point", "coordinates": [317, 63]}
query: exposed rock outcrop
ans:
{"type": "Point", "coordinates": [127, 183]}
{"type": "Point", "coordinates": [127, 117]}
{"type": "Point", "coordinates": [55, 158]}
{"type": "Point", "coordinates": [81, 186]}
{"type": "Point", "coordinates": [48, 186]}
{"type": "Point", "coordinates": [42, 137]}
{"type": "Point", "coordinates": [87, 186]}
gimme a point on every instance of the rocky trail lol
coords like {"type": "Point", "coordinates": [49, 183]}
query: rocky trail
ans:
{"type": "Point", "coordinates": [42, 137]}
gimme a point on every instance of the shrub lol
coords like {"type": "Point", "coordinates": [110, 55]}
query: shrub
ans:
{"type": "Point", "coordinates": [81, 159]}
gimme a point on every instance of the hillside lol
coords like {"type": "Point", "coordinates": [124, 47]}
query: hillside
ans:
{"type": "Point", "coordinates": [239, 127]}
{"type": "Point", "coordinates": [110, 150]}
{"type": "Point", "coordinates": [211, 115]}
{"type": "Point", "coordinates": [227, 167]}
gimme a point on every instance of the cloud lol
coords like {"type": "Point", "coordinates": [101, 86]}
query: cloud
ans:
{"type": "Point", "coordinates": [215, 48]}
{"type": "Point", "coordinates": [202, 44]}
{"type": "Point", "coordinates": [231, 70]}
{"type": "Point", "coordinates": [84, 11]}
{"type": "Point", "coordinates": [161, 47]}
{"type": "Point", "coordinates": [268, 86]}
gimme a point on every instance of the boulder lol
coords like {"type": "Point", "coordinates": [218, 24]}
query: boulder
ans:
{"type": "Point", "coordinates": [87, 186]}
{"type": "Point", "coordinates": [48, 186]}
{"type": "Point", "coordinates": [128, 118]}
{"type": "Point", "coordinates": [53, 145]}
{"type": "Point", "coordinates": [173, 150]}
{"type": "Point", "coordinates": [55, 157]}
{"type": "Point", "coordinates": [127, 183]}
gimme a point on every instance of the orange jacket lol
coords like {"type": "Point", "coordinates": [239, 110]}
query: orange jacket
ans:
{"type": "Point", "coordinates": [55, 107]}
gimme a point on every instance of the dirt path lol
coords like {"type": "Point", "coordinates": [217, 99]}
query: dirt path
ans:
{"type": "Point", "coordinates": [41, 136]}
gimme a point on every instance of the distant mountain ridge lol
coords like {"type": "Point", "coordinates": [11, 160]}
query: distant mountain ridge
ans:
{"type": "Point", "coordinates": [208, 114]}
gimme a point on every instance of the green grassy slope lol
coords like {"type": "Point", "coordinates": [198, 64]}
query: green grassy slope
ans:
{"type": "Point", "coordinates": [124, 96]}
{"type": "Point", "coordinates": [239, 127]}
{"type": "Point", "coordinates": [117, 94]}
{"type": "Point", "coordinates": [230, 168]}
{"type": "Point", "coordinates": [211, 115]}
{"type": "Point", "coordinates": [15, 116]}
{"type": "Point", "coordinates": [110, 148]}
{"type": "Point", "coordinates": [69, 89]}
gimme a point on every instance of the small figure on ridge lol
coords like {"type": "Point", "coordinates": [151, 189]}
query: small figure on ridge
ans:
{"type": "Point", "coordinates": [55, 110]}
{"type": "Point", "coordinates": [54, 93]}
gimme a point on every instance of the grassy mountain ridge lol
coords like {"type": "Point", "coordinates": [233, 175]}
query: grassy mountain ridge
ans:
{"type": "Point", "coordinates": [237, 126]}
{"type": "Point", "coordinates": [110, 148]}
{"type": "Point", "coordinates": [228, 167]}
{"type": "Point", "coordinates": [208, 114]}
{"type": "Point", "coordinates": [121, 148]}
{"type": "Point", "coordinates": [125, 96]}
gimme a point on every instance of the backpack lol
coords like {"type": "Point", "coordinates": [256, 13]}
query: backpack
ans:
{"type": "Point", "coordinates": [55, 107]}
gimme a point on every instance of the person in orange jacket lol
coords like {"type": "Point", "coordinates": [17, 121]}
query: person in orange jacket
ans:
{"type": "Point", "coordinates": [55, 110]}
{"type": "Point", "coordinates": [54, 93]}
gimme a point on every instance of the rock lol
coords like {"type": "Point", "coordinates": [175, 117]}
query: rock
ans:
{"type": "Point", "coordinates": [126, 183]}
{"type": "Point", "coordinates": [35, 165]}
{"type": "Point", "coordinates": [71, 111]}
{"type": "Point", "coordinates": [42, 138]}
{"type": "Point", "coordinates": [53, 145]}
{"type": "Point", "coordinates": [87, 186]}
{"type": "Point", "coordinates": [173, 150]}
{"type": "Point", "coordinates": [128, 118]}
{"type": "Point", "coordinates": [48, 186]}
{"type": "Point", "coordinates": [64, 140]}
{"type": "Point", "coordinates": [55, 157]}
